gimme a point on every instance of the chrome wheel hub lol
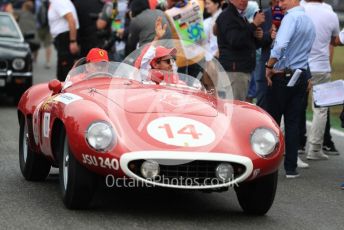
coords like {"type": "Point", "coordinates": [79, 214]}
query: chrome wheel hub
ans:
{"type": "Point", "coordinates": [65, 163]}
{"type": "Point", "coordinates": [25, 143]}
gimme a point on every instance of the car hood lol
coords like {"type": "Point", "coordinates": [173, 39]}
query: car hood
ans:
{"type": "Point", "coordinates": [155, 118]}
{"type": "Point", "coordinates": [13, 49]}
{"type": "Point", "coordinates": [152, 100]}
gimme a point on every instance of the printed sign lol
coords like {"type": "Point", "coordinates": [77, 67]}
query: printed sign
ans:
{"type": "Point", "coordinates": [67, 98]}
{"type": "Point", "coordinates": [188, 23]}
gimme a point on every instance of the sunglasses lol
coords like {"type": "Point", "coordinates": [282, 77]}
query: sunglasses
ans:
{"type": "Point", "coordinates": [168, 61]}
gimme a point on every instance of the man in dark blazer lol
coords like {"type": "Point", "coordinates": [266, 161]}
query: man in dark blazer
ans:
{"type": "Point", "coordinates": [237, 42]}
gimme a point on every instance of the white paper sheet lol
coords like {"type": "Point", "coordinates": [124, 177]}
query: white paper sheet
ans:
{"type": "Point", "coordinates": [294, 78]}
{"type": "Point", "coordinates": [329, 94]}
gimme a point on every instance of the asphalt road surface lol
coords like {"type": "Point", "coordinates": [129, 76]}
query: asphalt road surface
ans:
{"type": "Point", "coordinates": [312, 201]}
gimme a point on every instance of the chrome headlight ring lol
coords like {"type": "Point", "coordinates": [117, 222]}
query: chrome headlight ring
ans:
{"type": "Point", "coordinates": [100, 136]}
{"type": "Point", "coordinates": [18, 63]}
{"type": "Point", "coordinates": [263, 141]}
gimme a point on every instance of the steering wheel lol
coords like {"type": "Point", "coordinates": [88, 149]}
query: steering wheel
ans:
{"type": "Point", "coordinates": [99, 74]}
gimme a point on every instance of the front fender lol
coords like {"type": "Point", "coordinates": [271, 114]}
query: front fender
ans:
{"type": "Point", "coordinates": [33, 97]}
{"type": "Point", "coordinates": [76, 118]}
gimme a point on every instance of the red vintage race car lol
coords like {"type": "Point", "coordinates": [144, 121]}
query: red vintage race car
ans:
{"type": "Point", "coordinates": [170, 133]}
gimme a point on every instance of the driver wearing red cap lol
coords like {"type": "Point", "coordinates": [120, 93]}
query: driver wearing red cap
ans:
{"type": "Point", "coordinates": [97, 55]}
{"type": "Point", "coordinates": [97, 59]}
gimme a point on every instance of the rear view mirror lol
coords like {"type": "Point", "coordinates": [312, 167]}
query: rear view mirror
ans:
{"type": "Point", "coordinates": [55, 86]}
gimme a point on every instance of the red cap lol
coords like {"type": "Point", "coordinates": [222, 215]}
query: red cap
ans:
{"type": "Point", "coordinates": [97, 55]}
{"type": "Point", "coordinates": [160, 52]}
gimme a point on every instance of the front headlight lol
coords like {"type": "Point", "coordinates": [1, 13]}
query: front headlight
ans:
{"type": "Point", "coordinates": [224, 172]}
{"type": "Point", "coordinates": [18, 64]}
{"type": "Point", "coordinates": [263, 141]}
{"type": "Point", "coordinates": [100, 136]}
{"type": "Point", "coordinates": [150, 169]}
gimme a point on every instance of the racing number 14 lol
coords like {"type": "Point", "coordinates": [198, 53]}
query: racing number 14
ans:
{"type": "Point", "coordinates": [186, 130]}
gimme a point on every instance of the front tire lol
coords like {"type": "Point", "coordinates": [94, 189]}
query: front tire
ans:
{"type": "Point", "coordinates": [34, 166]}
{"type": "Point", "coordinates": [256, 197]}
{"type": "Point", "coordinates": [77, 184]}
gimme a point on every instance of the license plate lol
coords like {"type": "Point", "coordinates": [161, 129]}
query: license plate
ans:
{"type": "Point", "coordinates": [2, 82]}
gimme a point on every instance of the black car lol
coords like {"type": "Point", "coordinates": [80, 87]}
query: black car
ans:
{"type": "Point", "coordinates": [15, 58]}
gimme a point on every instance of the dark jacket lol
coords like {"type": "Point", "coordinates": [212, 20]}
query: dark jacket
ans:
{"type": "Point", "coordinates": [266, 41]}
{"type": "Point", "coordinates": [142, 29]}
{"type": "Point", "coordinates": [87, 14]}
{"type": "Point", "coordinates": [236, 41]}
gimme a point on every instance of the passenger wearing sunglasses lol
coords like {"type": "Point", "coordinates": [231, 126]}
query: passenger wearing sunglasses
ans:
{"type": "Point", "coordinates": [164, 58]}
{"type": "Point", "coordinates": [157, 61]}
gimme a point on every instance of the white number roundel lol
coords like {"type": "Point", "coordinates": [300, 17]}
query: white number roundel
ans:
{"type": "Point", "coordinates": [180, 131]}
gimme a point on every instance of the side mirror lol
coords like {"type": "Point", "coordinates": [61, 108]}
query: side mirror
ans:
{"type": "Point", "coordinates": [55, 86]}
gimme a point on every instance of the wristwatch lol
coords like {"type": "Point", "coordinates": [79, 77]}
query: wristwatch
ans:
{"type": "Point", "coordinates": [267, 66]}
{"type": "Point", "coordinates": [72, 41]}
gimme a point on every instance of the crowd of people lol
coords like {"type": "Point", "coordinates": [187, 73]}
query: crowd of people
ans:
{"type": "Point", "coordinates": [259, 50]}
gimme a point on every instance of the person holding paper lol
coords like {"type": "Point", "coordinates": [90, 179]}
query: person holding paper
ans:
{"type": "Point", "coordinates": [319, 63]}
{"type": "Point", "coordinates": [290, 52]}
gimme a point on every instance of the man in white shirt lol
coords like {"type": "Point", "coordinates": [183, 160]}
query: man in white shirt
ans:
{"type": "Point", "coordinates": [319, 63]}
{"type": "Point", "coordinates": [63, 23]}
{"type": "Point", "coordinates": [324, 4]}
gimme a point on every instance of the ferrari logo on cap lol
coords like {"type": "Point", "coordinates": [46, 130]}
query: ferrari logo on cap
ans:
{"type": "Point", "coordinates": [101, 53]}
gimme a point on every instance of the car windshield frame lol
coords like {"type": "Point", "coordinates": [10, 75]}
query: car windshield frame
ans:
{"type": "Point", "coordinates": [82, 72]}
{"type": "Point", "coordinates": [7, 25]}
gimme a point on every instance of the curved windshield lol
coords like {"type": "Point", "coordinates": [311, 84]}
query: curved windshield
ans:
{"type": "Point", "coordinates": [87, 71]}
{"type": "Point", "coordinates": [8, 27]}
